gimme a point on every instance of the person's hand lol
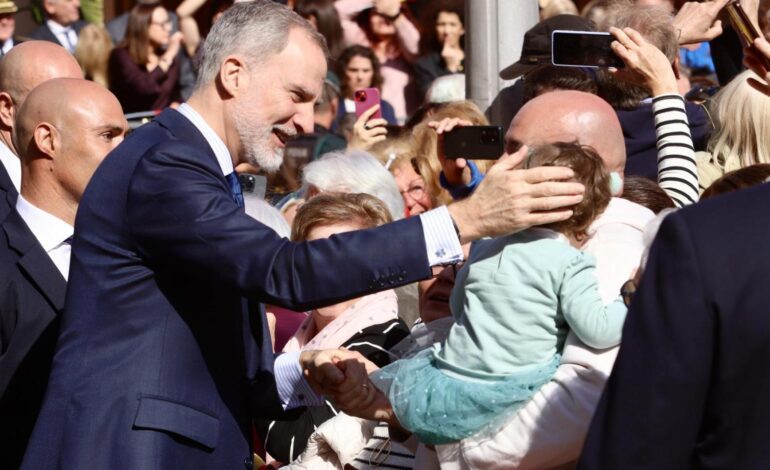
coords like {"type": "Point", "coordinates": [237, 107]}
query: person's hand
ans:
{"type": "Point", "coordinates": [174, 43]}
{"type": "Point", "coordinates": [456, 171]}
{"type": "Point", "coordinates": [339, 374]}
{"type": "Point", "coordinates": [368, 131]}
{"type": "Point", "coordinates": [757, 58]}
{"type": "Point", "coordinates": [645, 64]}
{"type": "Point", "coordinates": [271, 321]}
{"type": "Point", "coordinates": [697, 21]}
{"type": "Point", "coordinates": [387, 8]}
{"type": "Point", "coordinates": [510, 199]}
{"type": "Point", "coordinates": [453, 57]}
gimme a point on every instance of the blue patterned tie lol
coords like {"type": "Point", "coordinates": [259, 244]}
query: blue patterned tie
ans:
{"type": "Point", "coordinates": [235, 188]}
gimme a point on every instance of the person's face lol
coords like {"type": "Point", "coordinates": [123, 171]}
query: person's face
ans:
{"type": "Point", "coordinates": [449, 28]}
{"type": "Point", "coordinates": [359, 73]}
{"type": "Point", "coordinates": [277, 105]}
{"type": "Point", "coordinates": [7, 26]}
{"type": "Point", "coordinates": [413, 190]}
{"type": "Point", "coordinates": [381, 27]}
{"type": "Point", "coordinates": [90, 132]}
{"type": "Point", "coordinates": [159, 29]}
{"type": "Point", "coordinates": [64, 12]}
{"type": "Point", "coordinates": [434, 294]}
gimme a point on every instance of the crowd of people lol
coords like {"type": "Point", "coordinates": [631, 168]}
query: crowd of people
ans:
{"type": "Point", "coordinates": [212, 257]}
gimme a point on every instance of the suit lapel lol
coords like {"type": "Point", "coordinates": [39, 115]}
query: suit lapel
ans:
{"type": "Point", "coordinates": [34, 261]}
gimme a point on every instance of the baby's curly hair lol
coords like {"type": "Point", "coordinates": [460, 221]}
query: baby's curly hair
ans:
{"type": "Point", "coordinates": [589, 170]}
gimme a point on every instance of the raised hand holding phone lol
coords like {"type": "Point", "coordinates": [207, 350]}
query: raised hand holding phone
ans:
{"type": "Point", "coordinates": [369, 129]}
{"type": "Point", "coordinates": [645, 64]}
{"type": "Point", "coordinates": [456, 171]}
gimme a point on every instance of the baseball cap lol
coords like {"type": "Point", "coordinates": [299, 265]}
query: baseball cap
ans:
{"type": "Point", "coordinates": [8, 7]}
{"type": "Point", "coordinates": [536, 50]}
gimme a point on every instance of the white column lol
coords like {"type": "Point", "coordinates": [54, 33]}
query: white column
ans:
{"type": "Point", "coordinates": [495, 32]}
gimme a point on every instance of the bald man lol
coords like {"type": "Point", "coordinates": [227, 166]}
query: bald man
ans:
{"type": "Point", "coordinates": [63, 131]}
{"type": "Point", "coordinates": [22, 69]}
{"type": "Point", "coordinates": [549, 431]}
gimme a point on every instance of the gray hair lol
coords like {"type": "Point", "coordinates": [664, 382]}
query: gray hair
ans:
{"type": "Point", "coordinates": [257, 29]}
{"type": "Point", "coordinates": [261, 211]}
{"type": "Point", "coordinates": [355, 171]}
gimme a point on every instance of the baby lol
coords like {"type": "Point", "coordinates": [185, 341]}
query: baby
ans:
{"type": "Point", "coordinates": [513, 303]}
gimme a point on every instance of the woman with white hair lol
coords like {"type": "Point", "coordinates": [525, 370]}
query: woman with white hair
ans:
{"type": "Point", "coordinates": [354, 171]}
{"type": "Point", "coordinates": [741, 117]}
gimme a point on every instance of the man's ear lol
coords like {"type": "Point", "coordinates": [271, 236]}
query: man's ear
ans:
{"type": "Point", "coordinates": [7, 110]}
{"type": "Point", "coordinates": [234, 75]}
{"type": "Point", "coordinates": [47, 139]}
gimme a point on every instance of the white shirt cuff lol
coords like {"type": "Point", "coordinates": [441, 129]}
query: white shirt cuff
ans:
{"type": "Point", "coordinates": [293, 389]}
{"type": "Point", "coordinates": [441, 238]}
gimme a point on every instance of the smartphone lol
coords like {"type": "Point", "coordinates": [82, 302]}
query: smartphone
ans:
{"type": "Point", "coordinates": [365, 99]}
{"type": "Point", "coordinates": [583, 49]}
{"type": "Point", "coordinates": [474, 142]}
{"type": "Point", "coordinates": [741, 23]}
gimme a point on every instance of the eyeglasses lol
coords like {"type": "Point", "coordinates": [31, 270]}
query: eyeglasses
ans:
{"type": "Point", "coordinates": [415, 192]}
{"type": "Point", "coordinates": [162, 24]}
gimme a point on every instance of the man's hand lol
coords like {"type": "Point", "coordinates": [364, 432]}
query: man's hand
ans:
{"type": "Point", "coordinates": [510, 200]}
{"type": "Point", "coordinates": [697, 21]}
{"type": "Point", "coordinates": [645, 64]}
{"type": "Point", "coordinates": [339, 374]}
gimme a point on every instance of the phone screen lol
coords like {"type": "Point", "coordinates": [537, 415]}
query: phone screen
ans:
{"type": "Point", "coordinates": [583, 49]}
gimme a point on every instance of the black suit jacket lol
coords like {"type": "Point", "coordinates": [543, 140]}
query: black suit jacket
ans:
{"type": "Point", "coordinates": [691, 383]}
{"type": "Point", "coordinates": [164, 354]}
{"type": "Point", "coordinates": [44, 33]}
{"type": "Point", "coordinates": [31, 299]}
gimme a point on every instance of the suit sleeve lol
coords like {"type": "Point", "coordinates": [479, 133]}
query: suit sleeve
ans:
{"type": "Point", "coordinates": [651, 410]}
{"type": "Point", "coordinates": [181, 214]}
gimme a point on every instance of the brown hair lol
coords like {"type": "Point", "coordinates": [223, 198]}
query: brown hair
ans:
{"type": "Point", "coordinates": [348, 55]}
{"type": "Point", "coordinates": [589, 170]}
{"type": "Point", "coordinates": [137, 37]}
{"type": "Point", "coordinates": [739, 179]}
{"type": "Point", "coordinates": [93, 53]}
{"type": "Point", "coordinates": [428, 40]}
{"type": "Point", "coordinates": [327, 20]}
{"type": "Point", "coordinates": [323, 210]}
{"type": "Point", "coordinates": [647, 193]}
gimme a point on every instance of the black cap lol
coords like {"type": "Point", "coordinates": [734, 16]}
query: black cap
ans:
{"type": "Point", "coordinates": [536, 50]}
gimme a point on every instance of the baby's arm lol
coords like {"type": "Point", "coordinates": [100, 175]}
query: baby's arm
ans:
{"type": "Point", "coordinates": [596, 324]}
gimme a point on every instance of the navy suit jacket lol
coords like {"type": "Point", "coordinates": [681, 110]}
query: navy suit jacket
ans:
{"type": "Point", "coordinates": [44, 33]}
{"type": "Point", "coordinates": [31, 299]}
{"type": "Point", "coordinates": [164, 354]}
{"type": "Point", "coordinates": [691, 383]}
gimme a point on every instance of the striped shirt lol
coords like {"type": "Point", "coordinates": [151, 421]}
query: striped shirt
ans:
{"type": "Point", "coordinates": [677, 173]}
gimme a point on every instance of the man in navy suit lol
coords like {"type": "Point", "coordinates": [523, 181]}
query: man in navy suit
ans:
{"type": "Point", "coordinates": [65, 128]}
{"type": "Point", "coordinates": [62, 25]}
{"type": "Point", "coordinates": [164, 354]}
{"type": "Point", "coordinates": [690, 385]}
{"type": "Point", "coordinates": [22, 69]}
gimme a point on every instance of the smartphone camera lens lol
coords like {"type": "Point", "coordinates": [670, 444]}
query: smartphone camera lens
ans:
{"type": "Point", "coordinates": [488, 136]}
{"type": "Point", "coordinates": [360, 96]}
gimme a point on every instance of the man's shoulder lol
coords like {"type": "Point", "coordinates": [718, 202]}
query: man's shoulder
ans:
{"type": "Point", "coordinates": [42, 32]}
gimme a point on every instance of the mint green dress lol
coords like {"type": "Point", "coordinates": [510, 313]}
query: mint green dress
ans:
{"type": "Point", "coordinates": [513, 303]}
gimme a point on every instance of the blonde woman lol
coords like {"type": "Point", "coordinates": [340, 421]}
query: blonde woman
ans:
{"type": "Point", "coordinates": [741, 116]}
{"type": "Point", "coordinates": [93, 53]}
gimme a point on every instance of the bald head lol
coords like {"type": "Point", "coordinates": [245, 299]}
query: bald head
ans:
{"type": "Point", "coordinates": [569, 116]}
{"type": "Point", "coordinates": [33, 62]}
{"type": "Point", "coordinates": [63, 131]}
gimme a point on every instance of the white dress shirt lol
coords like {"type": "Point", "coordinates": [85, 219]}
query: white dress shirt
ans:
{"type": "Point", "coordinates": [66, 36]}
{"type": "Point", "coordinates": [6, 47]}
{"type": "Point", "coordinates": [51, 232]}
{"type": "Point", "coordinates": [12, 165]}
{"type": "Point", "coordinates": [443, 247]}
